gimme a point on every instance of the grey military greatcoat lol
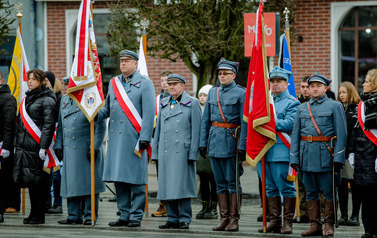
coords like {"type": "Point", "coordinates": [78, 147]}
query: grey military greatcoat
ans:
{"type": "Point", "coordinates": [175, 146]}
{"type": "Point", "coordinates": [73, 136]}
{"type": "Point", "coordinates": [122, 164]}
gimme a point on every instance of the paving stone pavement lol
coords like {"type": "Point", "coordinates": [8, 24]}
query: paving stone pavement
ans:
{"type": "Point", "coordinates": [13, 227]}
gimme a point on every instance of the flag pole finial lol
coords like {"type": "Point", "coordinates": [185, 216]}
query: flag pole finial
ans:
{"type": "Point", "coordinates": [19, 7]}
{"type": "Point", "coordinates": [286, 13]}
{"type": "Point", "coordinates": [144, 23]}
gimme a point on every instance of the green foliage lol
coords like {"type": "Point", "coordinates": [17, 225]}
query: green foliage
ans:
{"type": "Point", "coordinates": [198, 32]}
{"type": "Point", "coordinates": [5, 20]}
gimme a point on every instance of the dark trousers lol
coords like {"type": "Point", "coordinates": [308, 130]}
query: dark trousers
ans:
{"type": "Point", "coordinates": [10, 193]}
{"type": "Point", "coordinates": [38, 197]}
{"type": "Point", "coordinates": [369, 208]}
{"type": "Point", "coordinates": [261, 196]}
{"type": "Point", "coordinates": [207, 187]}
{"type": "Point", "coordinates": [343, 197]}
{"type": "Point", "coordinates": [56, 181]}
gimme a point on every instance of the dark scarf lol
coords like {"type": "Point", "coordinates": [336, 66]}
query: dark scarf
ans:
{"type": "Point", "coordinates": [31, 95]}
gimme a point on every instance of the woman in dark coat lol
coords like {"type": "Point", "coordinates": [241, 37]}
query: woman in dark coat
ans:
{"type": "Point", "coordinates": [363, 154]}
{"type": "Point", "coordinates": [28, 172]}
{"type": "Point", "coordinates": [349, 98]}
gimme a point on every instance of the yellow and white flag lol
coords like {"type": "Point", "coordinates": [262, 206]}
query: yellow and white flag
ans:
{"type": "Point", "coordinates": [17, 79]}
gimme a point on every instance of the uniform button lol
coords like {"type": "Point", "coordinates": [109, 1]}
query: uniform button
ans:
{"type": "Point", "coordinates": [176, 141]}
{"type": "Point", "coordinates": [113, 110]}
{"type": "Point", "coordinates": [176, 131]}
{"type": "Point", "coordinates": [112, 131]}
{"type": "Point", "coordinates": [120, 132]}
{"type": "Point", "coordinates": [73, 138]}
{"type": "Point", "coordinates": [65, 138]}
{"type": "Point", "coordinates": [65, 119]}
{"type": "Point", "coordinates": [166, 141]}
{"type": "Point", "coordinates": [177, 120]}
{"type": "Point", "coordinates": [66, 147]}
{"type": "Point", "coordinates": [177, 151]}
{"type": "Point", "coordinates": [74, 118]}
{"type": "Point", "coordinates": [112, 120]}
{"type": "Point", "coordinates": [166, 151]}
{"type": "Point", "coordinates": [121, 121]}
{"type": "Point", "coordinates": [166, 121]}
{"type": "Point", "coordinates": [73, 128]}
{"type": "Point", "coordinates": [165, 131]}
{"type": "Point", "coordinates": [74, 147]}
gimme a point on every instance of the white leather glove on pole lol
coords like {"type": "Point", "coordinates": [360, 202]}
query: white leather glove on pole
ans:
{"type": "Point", "coordinates": [42, 154]}
{"type": "Point", "coordinates": [375, 165]}
{"type": "Point", "coordinates": [5, 153]}
{"type": "Point", "coordinates": [351, 159]}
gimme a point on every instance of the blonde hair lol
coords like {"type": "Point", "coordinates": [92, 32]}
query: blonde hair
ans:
{"type": "Point", "coordinates": [373, 78]}
{"type": "Point", "coordinates": [352, 95]}
{"type": "Point", "coordinates": [57, 86]}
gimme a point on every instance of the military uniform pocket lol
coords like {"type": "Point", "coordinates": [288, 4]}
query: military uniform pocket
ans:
{"type": "Point", "coordinates": [326, 159]}
{"type": "Point", "coordinates": [324, 118]}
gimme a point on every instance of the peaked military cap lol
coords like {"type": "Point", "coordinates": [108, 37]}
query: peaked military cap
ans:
{"type": "Point", "coordinates": [317, 77]}
{"type": "Point", "coordinates": [127, 54]}
{"type": "Point", "coordinates": [280, 73]}
{"type": "Point", "coordinates": [228, 65]}
{"type": "Point", "coordinates": [176, 78]}
{"type": "Point", "coordinates": [66, 79]}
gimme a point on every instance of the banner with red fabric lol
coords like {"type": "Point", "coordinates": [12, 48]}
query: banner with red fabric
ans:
{"type": "Point", "coordinates": [259, 114]}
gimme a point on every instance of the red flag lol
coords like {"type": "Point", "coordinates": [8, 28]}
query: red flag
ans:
{"type": "Point", "coordinates": [259, 114]}
{"type": "Point", "coordinates": [85, 83]}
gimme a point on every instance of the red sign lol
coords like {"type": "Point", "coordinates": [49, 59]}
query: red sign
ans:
{"type": "Point", "coordinates": [269, 30]}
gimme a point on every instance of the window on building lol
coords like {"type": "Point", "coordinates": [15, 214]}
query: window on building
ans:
{"type": "Point", "coordinates": [358, 44]}
{"type": "Point", "coordinates": [6, 52]}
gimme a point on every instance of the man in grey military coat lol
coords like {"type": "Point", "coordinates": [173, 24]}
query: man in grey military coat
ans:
{"type": "Point", "coordinates": [218, 135]}
{"type": "Point", "coordinates": [176, 148]}
{"type": "Point", "coordinates": [130, 104]}
{"type": "Point", "coordinates": [311, 154]}
{"type": "Point", "coordinates": [72, 144]}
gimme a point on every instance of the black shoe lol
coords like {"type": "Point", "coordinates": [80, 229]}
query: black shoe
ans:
{"type": "Point", "coordinates": [134, 224]}
{"type": "Point", "coordinates": [169, 225]}
{"type": "Point", "coordinates": [367, 235]}
{"type": "Point", "coordinates": [69, 222]}
{"type": "Point", "coordinates": [184, 225]}
{"type": "Point", "coordinates": [304, 219]}
{"type": "Point", "coordinates": [119, 222]}
{"type": "Point", "coordinates": [343, 220]}
{"type": "Point", "coordinates": [1, 218]}
{"type": "Point", "coordinates": [35, 221]}
{"type": "Point", "coordinates": [205, 207]}
{"type": "Point", "coordinates": [353, 221]}
{"type": "Point", "coordinates": [88, 222]}
{"type": "Point", "coordinates": [27, 220]}
{"type": "Point", "coordinates": [211, 214]}
{"type": "Point", "coordinates": [260, 218]}
{"type": "Point", "coordinates": [55, 210]}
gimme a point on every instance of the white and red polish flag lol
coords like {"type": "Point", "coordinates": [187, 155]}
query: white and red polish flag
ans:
{"type": "Point", "coordinates": [142, 63]}
{"type": "Point", "coordinates": [85, 83]}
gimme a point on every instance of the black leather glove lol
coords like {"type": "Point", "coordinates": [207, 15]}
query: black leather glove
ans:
{"type": "Point", "coordinates": [96, 152]}
{"type": "Point", "coordinates": [143, 145]}
{"type": "Point", "coordinates": [295, 167]}
{"type": "Point", "coordinates": [242, 155]}
{"type": "Point", "coordinates": [338, 166]}
{"type": "Point", "coordinates": [203, 152]}
{"type": "Point", "coordinates": [59, 154]}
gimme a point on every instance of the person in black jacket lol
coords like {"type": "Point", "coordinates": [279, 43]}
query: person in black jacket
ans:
{"type": "Point", "coordinates": [363, 151]}
{"type": "Point", "coordinates": [40, 106]}
{"type": "Point", "coordinates": [349, 98]}
{"type": "Point", "coordinates": [8, 110]}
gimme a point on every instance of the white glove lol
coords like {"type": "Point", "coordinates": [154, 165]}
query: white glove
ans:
{"type": "Point", "coordinates": [5, 153]}
{"type": "Point", "coordinates": [351, 159]}
{"type": "Point", "coordinates": [42, 154]}
{"type": "Point", "coordinates": [375, 165]}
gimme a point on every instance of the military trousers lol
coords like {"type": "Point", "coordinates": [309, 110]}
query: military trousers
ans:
{"type": "Point", "coordinates": [224, 170]}
{"type": "Point", "coordinates": [179, 210]}
{"type": "Point", "coordinates": [131, 200]}
{"type": "Point", "coordinates": [81, 206]}
{"type": "Point", "coordinates": [276, 179]}
{"type": "Point", "coordinates": [314, 182]}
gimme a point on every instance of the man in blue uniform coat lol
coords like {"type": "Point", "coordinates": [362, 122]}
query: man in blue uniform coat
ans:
{"type": "Point", "coordinates": [310, 151]}
{"type": "Point", "coordinates": [126, 165]}
{"type": "Point", "coordinates": [217, 134]}
{"type": "Point", "coordinates": [73, 146]}
{"type": "Point", "coordinates": [277, 157]}
{"type": "Point", "coordinates": [176, 148]}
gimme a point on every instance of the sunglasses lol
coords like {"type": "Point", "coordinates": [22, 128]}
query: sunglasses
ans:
{"type": "Point", "coordinates": [221, 73]}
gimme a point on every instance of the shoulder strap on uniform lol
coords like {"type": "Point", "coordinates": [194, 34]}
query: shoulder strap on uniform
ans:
{"type": "Point", "coordinates": [313, 120]}
{"type": "Point", "coordinates": [219, 104]}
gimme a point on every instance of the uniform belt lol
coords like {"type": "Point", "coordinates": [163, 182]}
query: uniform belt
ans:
{"type": "Point", "coordinates": [224, 124]}
{"type": "Point", "coordinates": [316, 138]}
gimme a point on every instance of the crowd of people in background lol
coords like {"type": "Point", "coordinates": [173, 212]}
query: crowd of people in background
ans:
{"type": "Point", "coordinates": [204, 137]}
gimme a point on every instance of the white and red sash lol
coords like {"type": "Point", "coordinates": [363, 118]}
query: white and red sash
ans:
{"type": "Point", "coordinates": [284, 137]}
{"type": "Point", "coordinates": [372, 133]}
{"type": "Point", "coordinates": [36, 133]}
{"type": "Point", "coordinates": [130, 111]}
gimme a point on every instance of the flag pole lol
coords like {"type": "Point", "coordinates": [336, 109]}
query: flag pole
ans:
{"type": "Point", "coordinates": [286, 13]}
{"type": "Point", "coordinates": [264, 195]}
{"type": "Point", "coordinates": [92, 155]}
{"type": "Point", "coordinates": [19, 16]}
{"type": "Point", "coordinates": [144, 25]}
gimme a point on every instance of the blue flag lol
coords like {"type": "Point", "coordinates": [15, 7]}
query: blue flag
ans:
{"type": "Point", "coordinates": [285, 63]}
